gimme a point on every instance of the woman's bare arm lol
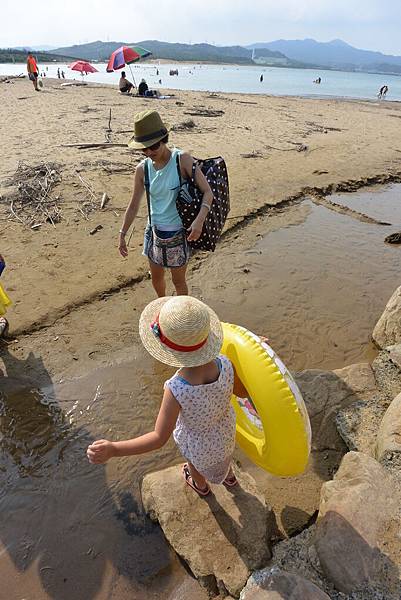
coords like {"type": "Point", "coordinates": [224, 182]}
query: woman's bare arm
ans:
{"type": "Point", "coordinates": [186, 163]}
{"type": "Point", "coordinates": [132, 208]}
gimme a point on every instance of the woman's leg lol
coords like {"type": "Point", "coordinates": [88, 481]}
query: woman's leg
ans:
{"type": "Point", "coordinates": [158, 281]}
{"type": "Point", "coordinates": [178, 275]}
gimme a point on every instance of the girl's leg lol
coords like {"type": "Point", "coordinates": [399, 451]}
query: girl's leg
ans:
{"type": "Point", "coordinates": [158, 281]}
{"type": "Point", "coordinates": [178, 276]}
{"type": "Point", "coordinates": [197, 478]}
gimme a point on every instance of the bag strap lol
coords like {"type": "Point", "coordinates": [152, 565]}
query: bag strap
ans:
{"type": "Point", "coordinates": [147, 187]}
{"type": "Point", "coordinates": [194, 165]}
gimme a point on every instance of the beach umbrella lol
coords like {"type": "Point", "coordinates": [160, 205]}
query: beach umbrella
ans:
{"type": "Point", "coordinates": [83, 67]}
{"type": "Point", "coordinates": [124, 56]}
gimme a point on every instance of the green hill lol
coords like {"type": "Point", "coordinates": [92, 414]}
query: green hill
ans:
{"type": "Point", "coordinates": [9, 55]}
{"type": "Point", "coordinates": [101, 51]}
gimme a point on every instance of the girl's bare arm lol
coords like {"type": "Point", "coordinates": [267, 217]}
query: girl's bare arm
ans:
{"type": "Point", "coordinates": [102, 450]}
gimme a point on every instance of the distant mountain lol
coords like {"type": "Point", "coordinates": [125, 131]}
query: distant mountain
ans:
{"type": "Point", "coordinates": [101, 51]}
{"type": "Point", "coordinates": [36, 48]}
{"type": "Point", "coordinates": [336, 54]}
{"type": "Point", "coordinates": [10, 55]}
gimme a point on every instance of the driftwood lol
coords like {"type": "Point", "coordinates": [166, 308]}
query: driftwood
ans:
{"type": "Point", "coordinates": [204, 112]}
{"type": "Point", "coordinates": [7, 78]}
{"type": "Point", "coordinates": [94, 145]}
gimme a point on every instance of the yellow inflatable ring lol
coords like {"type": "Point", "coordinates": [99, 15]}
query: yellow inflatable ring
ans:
{"type": "Point", "coordinates": [4, 301]}
{"type": "Point", "coordinates": [277, 437]}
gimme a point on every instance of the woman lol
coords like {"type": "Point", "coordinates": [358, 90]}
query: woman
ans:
{"type": "Point", "coordinates": [166, 241]}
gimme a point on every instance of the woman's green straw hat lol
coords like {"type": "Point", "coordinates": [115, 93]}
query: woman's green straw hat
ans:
{"type": "Point", "coordinates": [148, 130]}
{"type": "Point", "coordinates": [181, 331]}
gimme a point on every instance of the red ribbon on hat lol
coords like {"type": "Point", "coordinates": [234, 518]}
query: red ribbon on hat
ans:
{"type": "Point", "coordinates": [155, 327]}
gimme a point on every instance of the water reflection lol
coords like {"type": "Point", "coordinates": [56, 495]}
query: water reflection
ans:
{"type": "Point", "coordinates": [62, 516]}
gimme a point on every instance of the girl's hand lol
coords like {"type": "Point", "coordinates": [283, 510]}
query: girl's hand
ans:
{"type": "Point", "coordinates": [100, 451]}
{"type": "Point", "coordinates": [195, 230]}
{"type": "Point", "coordinates": [122, 246]}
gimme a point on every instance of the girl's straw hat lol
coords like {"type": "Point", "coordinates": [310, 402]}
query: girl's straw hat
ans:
{"type": "Point", "coordinates": [148, 130]}
{"type": "Point", "coordinates": [181, 331]}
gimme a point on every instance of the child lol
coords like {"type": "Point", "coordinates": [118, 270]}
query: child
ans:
{"type": "Point", "coordinates": [4, 303]}
{"type": "Point", "coordinates": [183, 332]}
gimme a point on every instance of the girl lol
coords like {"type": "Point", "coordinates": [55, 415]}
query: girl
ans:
{"type": "Point", "coordinates": [166, 242]}
{"type": "Point", "coordinates": [183, 332]}
{"type": "Point", "coordinates": [4, 303]}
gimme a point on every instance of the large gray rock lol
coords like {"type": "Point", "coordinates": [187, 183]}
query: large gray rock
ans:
{"type": "Point", "coordinates": [388, 447]}
{"type": "Point", "coordinates": [274, 584]}
{"type": "Point", "coordinates": [222, 537]}
{"type": "Point", "coordinates": [388, 328]}
{"type": "Point", "coordinates": [354, 511]}
{"type": "Point", "coordinates": [326, 392]}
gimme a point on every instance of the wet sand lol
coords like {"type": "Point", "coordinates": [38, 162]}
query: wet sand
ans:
{"type": "Point", "coordinates": [298, 273]}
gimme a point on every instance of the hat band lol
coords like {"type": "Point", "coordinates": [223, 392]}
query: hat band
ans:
{"type": "Point", "coordinates": [150, 136]}
{"type": "Point", "coordinates": [155, 327]}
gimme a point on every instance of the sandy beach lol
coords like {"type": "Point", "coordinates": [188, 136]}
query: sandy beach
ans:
{"type": "Point", "coordinates": [76, 302]}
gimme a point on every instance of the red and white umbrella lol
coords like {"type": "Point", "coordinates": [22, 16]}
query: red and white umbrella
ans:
{"type": "Point", "coordinates": [83, 67]}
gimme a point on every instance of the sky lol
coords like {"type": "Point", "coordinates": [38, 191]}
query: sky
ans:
{"type": "Point", "coordinates": [366, 24]}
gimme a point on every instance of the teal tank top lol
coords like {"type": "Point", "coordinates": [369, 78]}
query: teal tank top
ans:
{"type": "Point", "coordinates": [164, 187]}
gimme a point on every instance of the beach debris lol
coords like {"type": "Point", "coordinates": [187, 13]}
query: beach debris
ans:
{"type": "Point", "coordinates": [85, 146]}
{"type": "Point", "coordinates": [108, 130]}
{"type": "Point", "coordinates": [393, 238]}
{"type": "Point", "coordinates": [104, 200]}
{"type": "Point", "coordinates": [95, 229]}
{"type": "Point", "coordinates": [178, 103]}
{"type": "Point", "coordinates": [90, 201]}
{"type": "Point", "coordinates": [184, 125]}
{"type": "Point", "coordinates": [33, 203]}
{"type": "Point", "coordinates": [7, 78]}
{"type": "Point", "coordinates": [204, 112]}
{"type": "Point", "coordinates": [253, 154]}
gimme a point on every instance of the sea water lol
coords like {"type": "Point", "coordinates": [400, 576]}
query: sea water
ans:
{"type": "Point", "coordinates": [236, 79]}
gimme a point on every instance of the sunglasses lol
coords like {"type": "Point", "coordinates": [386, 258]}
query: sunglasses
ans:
{"type": "Point", "coordinates": [153, 147]}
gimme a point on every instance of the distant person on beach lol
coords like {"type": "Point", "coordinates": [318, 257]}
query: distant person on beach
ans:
{"type": "Point", "coordinates": [33, 71]}
{"type": "Point", "coordinates": [382, 92]}
{"type": "Point", "coordinates": [196, 409]}
{"type": "Point", "coordinates": [317, 80]}
{"type": "Point", "coordinates": [62, 74]}
{"type": "Point", "coordinates": [124, 84]}
{"type": "Point", "coordinates": [166, 240]}
{"type": "Point", "coordinates": [143, 88]}
{"type": "Point", "coordinates": [261, 78]}
{"type": "Point", "coordinates": [58, 73]}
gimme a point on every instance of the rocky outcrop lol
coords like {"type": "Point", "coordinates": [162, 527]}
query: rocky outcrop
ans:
{"type": "Point", "coordinates": [354, 511]}
{"type": "Point", "coordinates": [326, 392]}
{"type": "Point", "coordinates": [388, 448]}
{"type": "Point", "coordinates": [222, 537]}
{"type": "Point", "coordinates": [388, 328]}
{"type": "Point", "coordinates": [275, 584]}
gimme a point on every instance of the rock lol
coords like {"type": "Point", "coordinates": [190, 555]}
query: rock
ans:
{"type": "Point", "coordinates": [354, 510]}
{"type": "Point", "coordinates": [388, 447]}
{"type": "Point", "coordinates": [274, 584]}
{"type": "Point", "coordinates": [394, 354]}
{"type": "Point", "coordinates": [325, 392]}
{"type": "Point", "coordinates": [388, 328]}
{"type": "Point", "coordinates": [222, 537]}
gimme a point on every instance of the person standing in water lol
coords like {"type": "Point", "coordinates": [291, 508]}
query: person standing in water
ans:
{"type": "Point", "coordinates": [196, 409]}
{"type": "Point", "coordinates": [166, 240]}
{"type": "Point", "coordinates": [261, 78]}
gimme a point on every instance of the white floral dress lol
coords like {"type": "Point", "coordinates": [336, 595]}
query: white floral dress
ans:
{"type": "Point", "coordinates": [205, 429]}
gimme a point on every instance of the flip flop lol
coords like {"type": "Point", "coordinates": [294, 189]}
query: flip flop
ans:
{"type": "Point", "coordinates": [189, 481]}
{"type": "Point", "coordinates": [3, 327]}
{"type": "Point", "coordinates": [230, 481]}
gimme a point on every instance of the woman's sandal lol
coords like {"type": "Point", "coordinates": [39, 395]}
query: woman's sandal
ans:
{"type": "Point", "coordinates": [190, 481]}
{"type": "Point", "coordinates": [230, 480]}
